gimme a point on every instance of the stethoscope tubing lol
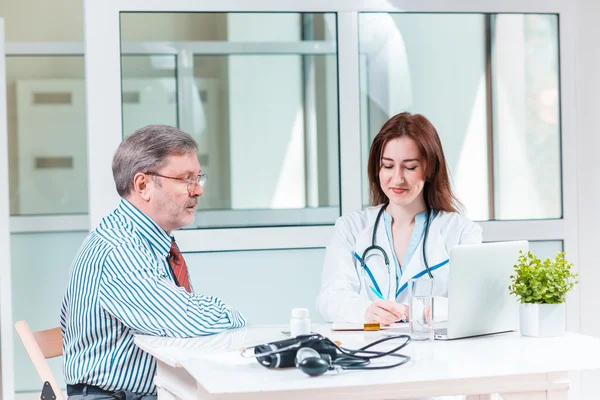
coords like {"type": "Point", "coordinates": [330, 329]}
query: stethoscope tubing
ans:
{"type": "Point", "coordinates": [374, 247]}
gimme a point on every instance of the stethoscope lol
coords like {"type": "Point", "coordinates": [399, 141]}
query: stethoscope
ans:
{"type": "Point", "coordinates": [373, 248]}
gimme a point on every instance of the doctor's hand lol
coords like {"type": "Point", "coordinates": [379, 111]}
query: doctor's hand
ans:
{"type": "Point", "coordinates": [386, 312]}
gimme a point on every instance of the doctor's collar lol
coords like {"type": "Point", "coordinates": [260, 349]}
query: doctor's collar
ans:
{"type": "Point", "coordinates": [419, 218]}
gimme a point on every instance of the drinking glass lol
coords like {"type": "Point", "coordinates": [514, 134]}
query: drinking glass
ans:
{"type": "Point", "coordinates": [420, 308]}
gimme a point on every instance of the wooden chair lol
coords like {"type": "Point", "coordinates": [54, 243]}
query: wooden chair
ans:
{"type": "Point", "coordinates": [41, 345]}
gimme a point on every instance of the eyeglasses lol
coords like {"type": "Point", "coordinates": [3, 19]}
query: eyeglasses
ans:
{"type": "Point", "coordinates": [191, 182]}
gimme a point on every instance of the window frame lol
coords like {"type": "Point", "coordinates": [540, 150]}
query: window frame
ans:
{"type": "Point", "coordinates": [80, 221]}
{"type": "Point", "coordinates": [102, 196]}
{"type": "Point", "coordinates": [102, 28]}
{"type": "Point", "coordinates": [6, 323]}
{"type": "Point", "coordinates": [102, 32]}
{"type": "Point", "coordinates": [103, 92]}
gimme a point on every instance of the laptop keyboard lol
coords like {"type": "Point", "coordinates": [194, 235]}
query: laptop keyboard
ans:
{"type": "Point", "coordinates": [441, 331]}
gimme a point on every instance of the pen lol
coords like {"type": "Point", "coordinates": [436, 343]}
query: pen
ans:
{"type": "Point", "coordinates": [376, 293]}
{"type": "Point", "coordinates": [381, 297]}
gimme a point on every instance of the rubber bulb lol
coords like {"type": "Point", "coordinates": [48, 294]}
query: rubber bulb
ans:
{"type": "Point", "coordinates": [314, 366]}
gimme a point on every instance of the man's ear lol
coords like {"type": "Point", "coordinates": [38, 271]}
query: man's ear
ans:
{"type": "Point", "coordinates": [140, 186]}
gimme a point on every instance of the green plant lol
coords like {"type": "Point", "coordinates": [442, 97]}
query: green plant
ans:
{"type": "Point", "coordinates": [540, 282]}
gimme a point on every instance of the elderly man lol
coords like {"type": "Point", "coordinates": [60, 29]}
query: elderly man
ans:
{"type": "Point", "coordinates": [129, 276]}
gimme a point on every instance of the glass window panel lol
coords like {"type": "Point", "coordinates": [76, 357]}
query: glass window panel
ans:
{"type": "Point", "coordinates": [149, 27]}
{"type": "Point", "coordinates": [50, 22]}
{"type": "Point", "coordinates": [546, 248]}
{"type": "Point", "coordinates": [149, 91]}
{"type": "Point", "coordinates": [265, 119]}
{"type": "Point", "coordinates": [431, 64]}
{"type": "Point", "coordinates": [39, 279]}
{"type": "Point", "coordinates": [435, 64]}
{"type": "Point", "coordinates": [47, 135]}
{"type": "Point", "coordinates": [526, 116]}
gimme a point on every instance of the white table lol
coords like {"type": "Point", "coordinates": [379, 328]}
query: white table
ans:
{"type": "Point", "coordinates": [517, 367]}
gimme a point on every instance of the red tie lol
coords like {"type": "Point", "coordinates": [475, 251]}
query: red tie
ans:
{"type": "Point", "coordinates": [179, 267]}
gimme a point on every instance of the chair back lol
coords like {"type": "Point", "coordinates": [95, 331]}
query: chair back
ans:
{"type": "Point", "coordinates": [41, 345]}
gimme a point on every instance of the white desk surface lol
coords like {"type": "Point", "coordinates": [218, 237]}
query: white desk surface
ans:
{"type": "Point", "coordinates": [216, 364]}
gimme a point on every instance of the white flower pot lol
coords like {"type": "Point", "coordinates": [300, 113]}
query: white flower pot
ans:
{"type": "Point", "coordinates": [542, 320]}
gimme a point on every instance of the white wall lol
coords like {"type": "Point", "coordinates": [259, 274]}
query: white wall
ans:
{"type": "Point", "coordinates": [6, 351]}
{"type": "Point", "coordinates": [588, 104]}
{"type": "Point", "coordinates": [263, 285]}
{"type": "Point", "coordinates": [39, 280]}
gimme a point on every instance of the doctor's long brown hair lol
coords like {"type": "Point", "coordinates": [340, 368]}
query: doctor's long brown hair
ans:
{"type": "Point", "coordinates": [437, 190]}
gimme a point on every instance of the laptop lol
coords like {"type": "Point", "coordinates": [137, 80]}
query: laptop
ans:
{"type": "Point", "coordinates": [479, 302]}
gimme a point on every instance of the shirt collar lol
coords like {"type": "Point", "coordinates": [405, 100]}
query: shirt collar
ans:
{"type": "Point", "coordinates": [419, 218]}
{"type": "Point", "coordinates": [159, 239]}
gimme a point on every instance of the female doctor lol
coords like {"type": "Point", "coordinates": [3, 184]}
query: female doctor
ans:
{"type": "Point", "coordinates": [407, 233]}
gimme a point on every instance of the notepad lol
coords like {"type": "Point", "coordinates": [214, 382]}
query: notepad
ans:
{"type": "Point", "coordinates": [349, 326]}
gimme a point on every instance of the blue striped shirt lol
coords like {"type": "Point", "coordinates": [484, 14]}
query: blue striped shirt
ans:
{"type": "Point", "coordinates": [121, 284]}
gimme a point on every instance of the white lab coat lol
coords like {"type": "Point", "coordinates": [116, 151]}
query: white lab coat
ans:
{"type": "Point", "coordinates": [339, 298]}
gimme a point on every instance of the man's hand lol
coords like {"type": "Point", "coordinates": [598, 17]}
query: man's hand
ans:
{"type": "Point", "coordinates": [386, 312]}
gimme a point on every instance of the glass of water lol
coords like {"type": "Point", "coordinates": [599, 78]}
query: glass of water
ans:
{"type": "Point", "coordinates": [420, 308]}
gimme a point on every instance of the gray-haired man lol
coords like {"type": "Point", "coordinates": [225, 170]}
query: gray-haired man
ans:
{"type": "Point", "coordinates": [129, 276]}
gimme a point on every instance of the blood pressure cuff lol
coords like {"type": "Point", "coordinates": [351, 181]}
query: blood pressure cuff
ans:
{"type": "Point", "coordinates": [277, 356]}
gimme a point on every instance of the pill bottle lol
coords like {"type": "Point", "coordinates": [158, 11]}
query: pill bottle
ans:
{"type": "Point", "coordinates": [299, 323]}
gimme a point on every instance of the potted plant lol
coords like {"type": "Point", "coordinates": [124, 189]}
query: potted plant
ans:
{"type": "Point", "coordinates": [541, 288]}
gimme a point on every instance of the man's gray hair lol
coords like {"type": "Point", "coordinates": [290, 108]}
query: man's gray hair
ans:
{"type": "Point", "coordinates": [147, 150]}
